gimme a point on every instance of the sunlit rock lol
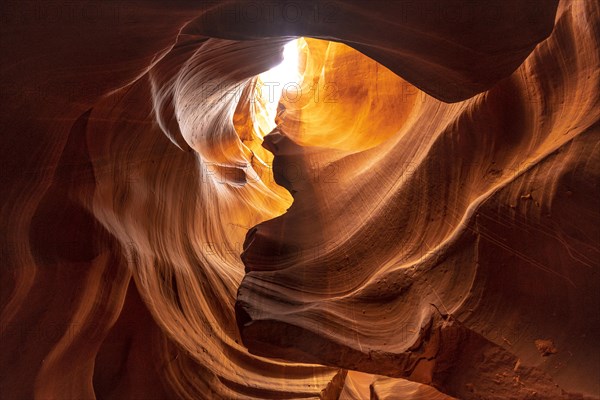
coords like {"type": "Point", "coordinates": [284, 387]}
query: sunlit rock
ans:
{"type": "Point", "coordinates": [337, 200]}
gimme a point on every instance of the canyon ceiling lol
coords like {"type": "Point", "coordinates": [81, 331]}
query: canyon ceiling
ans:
{"type": "Point", "coordinates": [420, 219]}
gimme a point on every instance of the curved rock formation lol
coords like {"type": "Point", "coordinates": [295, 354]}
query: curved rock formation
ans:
{"type": "Point", "coordinates": [422, 223]}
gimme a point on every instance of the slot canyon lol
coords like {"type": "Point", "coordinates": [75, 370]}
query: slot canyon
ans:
{"type": "Point", "coordinates": [336, 199]}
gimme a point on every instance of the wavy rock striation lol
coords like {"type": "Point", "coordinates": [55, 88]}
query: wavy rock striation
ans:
{"type": "Point", "coordinates": [421, 224]}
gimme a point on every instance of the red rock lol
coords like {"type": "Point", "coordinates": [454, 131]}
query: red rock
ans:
{"type": "Point", "coordinates": [378, 257]}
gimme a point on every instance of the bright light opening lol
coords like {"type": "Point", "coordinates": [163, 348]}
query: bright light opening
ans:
{"type": "Point", "coordinates": [284, 76]}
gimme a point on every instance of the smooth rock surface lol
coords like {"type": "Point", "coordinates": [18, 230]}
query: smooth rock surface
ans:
{"type": "Point", "coordinates": [412, 232]}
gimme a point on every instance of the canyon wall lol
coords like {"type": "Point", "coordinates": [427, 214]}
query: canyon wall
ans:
{"type": "Point", "coordinates": [422, 223]}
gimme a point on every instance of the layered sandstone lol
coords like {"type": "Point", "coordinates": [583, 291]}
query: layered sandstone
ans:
{"type": "Point", "coordinates": [422, 223]}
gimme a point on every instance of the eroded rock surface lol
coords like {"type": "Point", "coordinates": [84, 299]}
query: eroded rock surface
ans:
{"type": "Point", "coordinates": [410, 233]}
